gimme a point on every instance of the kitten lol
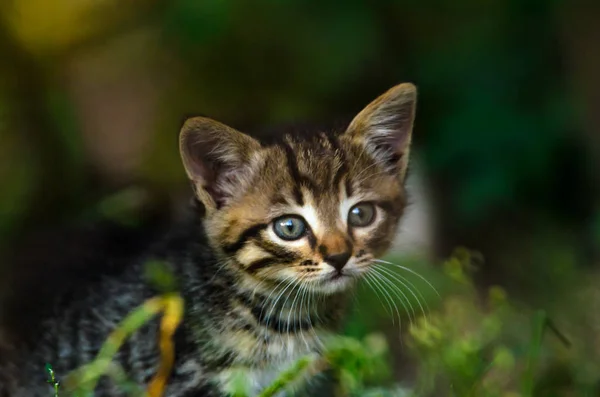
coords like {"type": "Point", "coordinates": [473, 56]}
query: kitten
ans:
{"type": "Point", "coordinates": [284, 231]}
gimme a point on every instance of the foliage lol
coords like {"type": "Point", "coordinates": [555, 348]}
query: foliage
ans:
{"type": "Point", "coordinates": [82, 381]}
{"type": "Point", "coordinates": [488, 347]}
{"type": "Point", "coordinates": [467, 347]}
{"type": "Point", "coordinates": [498, 111]}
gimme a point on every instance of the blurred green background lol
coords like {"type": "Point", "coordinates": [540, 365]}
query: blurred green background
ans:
{"type": "Point", "coordinates": [92, 95]}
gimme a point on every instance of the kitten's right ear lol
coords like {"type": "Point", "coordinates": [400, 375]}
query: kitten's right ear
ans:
{"type": "Point", "coordinates": [385, 127]}
{"type": "Point", "coordinates": [217, 159]}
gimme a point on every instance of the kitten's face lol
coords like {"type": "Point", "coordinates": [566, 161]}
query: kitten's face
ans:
{"type": "Point", "coordinates": [311, 211]}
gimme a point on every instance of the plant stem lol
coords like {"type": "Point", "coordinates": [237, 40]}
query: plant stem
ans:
{"type": "Point", "coordinates": [540, 322]}
{"type": "Point", "coordinates": [300, 368]}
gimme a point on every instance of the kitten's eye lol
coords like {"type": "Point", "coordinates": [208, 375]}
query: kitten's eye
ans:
{"type": "Point", "coordinates": [289, 228]}
{"type": "Point", "coordinates": [361, 215]}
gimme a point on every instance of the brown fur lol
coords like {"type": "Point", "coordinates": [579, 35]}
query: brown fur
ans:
{"type": "Point", "coordinates": [257, 183]}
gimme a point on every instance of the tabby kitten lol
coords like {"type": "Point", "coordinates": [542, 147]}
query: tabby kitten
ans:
{"type": "Point", "coordinates": [286, 229]}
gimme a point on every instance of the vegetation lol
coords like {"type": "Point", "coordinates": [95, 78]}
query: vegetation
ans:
{"type": "Point", "coordinates": [466, 346]}
{"type": "Point", "coordinates": [91, 100]}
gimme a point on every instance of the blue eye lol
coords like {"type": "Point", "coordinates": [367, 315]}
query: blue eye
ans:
{"type": "Point", "coordinates": [289, 227]}
{"type": "Point", "coordinates": [361, 215]}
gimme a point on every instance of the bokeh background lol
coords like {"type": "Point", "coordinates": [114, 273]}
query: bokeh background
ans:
{"type": "Point", "coordinates": [92, 95]}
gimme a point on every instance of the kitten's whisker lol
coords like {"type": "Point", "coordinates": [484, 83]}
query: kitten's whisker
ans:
{"type": "Point", "coordinates": [383, 284]}
{"type": "Point", "coordinates": [272, 311]}
{"type": "Point", "coordinates": [290, 309]}
{"type": "Point", "coordinates": [371, 175]}
{"type": "Point", "coordinates": [368, 281]}
{"type": "Point", "coordinates": [300, 314]}
{"type": "Point", "coordinates": [357, 177]}
{"type": "Point", "coordinates": [400, 279]}
{"type": "Point", "coordinates": [316, 310]}
{"type": "Point", "coordinates": [255, 289]}
{"type": "Point", "coordinates": [400, 295]}
{"type": "Point", "coordinates": [276, 289]}
{"type": "Point", "coordinates": [307, 296]}
{"type": "Point", "coordinates": [221, 266]}
{"type": "Point", "coordinates": [267, 301]}
{"type": "Point", "coordinates": [410, 271]}
{"type": "Point", "coordinates": [298, 311]}
{"type": "Point", "coordinates": [383, 293]}
{"type": "Point", "coordinates": [412, 289]}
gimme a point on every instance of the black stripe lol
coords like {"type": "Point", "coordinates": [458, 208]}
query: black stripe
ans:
{"type": "Point", "coordinates": [262, 263]}
{"type": "Point", "coordinates": [386, 205]}
{"type": "Point", "coordinates": [219, 361]}
{"type": "Point", "coordinates": [276, 323]}
{"type": "Point", "coordinates": [312, 240]}
{"type": "Point", "coordinates": [349, 189]}
{"type": "Point", "coordinates": [350, 232]}
{"type": "Point", "coordinates": [323, 250]}
{"type": "Point", "coordinates": [282, 254]}
{"type": "Point", "coordinates": [349, 245]}
{"type": "Point", "coordinates": [343, 170]}
{"type": "Point", "coordinates": [279, 199]}
{"type": "Point", "coordinates": [245, 298]}
{"type": "Point", "coordinates": [294, 172]}
{"type": "Point", "coordinates": [310, 184]}
{"type": "Point", "coordinates": [339, 174]}
{"type": "Point", "coordinates": [389, 205]}
{"type": "Point", "coordinates": [271, 318]}
{"type": "Point", "coordinates": [299, 178]}
{"type": "Point", "coordinates": [249, 233]}
{"type": "Point", "coordinates": [334, 142]}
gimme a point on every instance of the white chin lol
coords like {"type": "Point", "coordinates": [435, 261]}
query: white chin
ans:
{"type": "Point", "coordinates": [333, 285]}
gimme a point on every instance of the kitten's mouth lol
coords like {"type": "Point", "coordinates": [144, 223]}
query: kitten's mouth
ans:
{"type": "Point", "coordinates": [337, 279]}
{"type": "Point", "coordinates": [335, 282]}
{"type": "Point", "coordinates": [337, 276]}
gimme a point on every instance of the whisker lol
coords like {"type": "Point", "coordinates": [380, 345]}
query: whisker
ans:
{"type": "Point", "coordinates": [274, 290]}
{"type": "Point", "coordinates": [368, 281]}
{"type": "Point", "coordinates": [311, 307]}
{"type": "Point", "coordinates": [272, 309]}
{"type": "Point", "coordinates": [383, 292]}
{"type": "Point", "coordinates": [385, 283]}
{"type": "Point", "coordinates": [371, 175]}
{"type": "Point", "coordinates": [267, 300]}
{"type": "Point", "coordinates": [399, 279]}
{"type": "Point", "coordinates": [410, 271]}
{"type": "Point", "coordinates": [357, 177]}
{"type": "Point", "coordinates": [292, 308]}
{"type": "Point", "coordinates": [301, 315]}
{"type": "Point", "coordinates": [403, 299]}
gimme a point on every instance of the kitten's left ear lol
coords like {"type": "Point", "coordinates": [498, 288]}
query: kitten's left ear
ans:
{"type": "Point", "coordinates": [217, 159]}
{"type": "Point", "coordinates": [385, 126]}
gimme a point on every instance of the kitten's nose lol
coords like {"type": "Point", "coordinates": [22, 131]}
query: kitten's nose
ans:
{"type": "Point", "coordinates": [338, 261]}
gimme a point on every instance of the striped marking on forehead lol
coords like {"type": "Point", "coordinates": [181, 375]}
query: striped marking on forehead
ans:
{"type": "Point", "coordinates": [342, 166]}
{"type": "Point", "coordinates": [298, 179]}
{"type": "Point", "coordinates": [317, 166]}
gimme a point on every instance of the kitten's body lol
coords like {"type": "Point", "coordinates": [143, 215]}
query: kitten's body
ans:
{"type": "Point", "coordinates": [287, 229]}
{"type": "Point", "coordinates": [73, 328]}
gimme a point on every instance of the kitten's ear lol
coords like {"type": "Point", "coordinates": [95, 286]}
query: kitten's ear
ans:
{"type": "Point", "coordinates": [217, 159]}
{"type": "Point", "coordinates": [385, 126]}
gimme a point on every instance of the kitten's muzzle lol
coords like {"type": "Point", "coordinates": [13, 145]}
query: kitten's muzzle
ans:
{"type": "Point", "coordinates": [338, 261]}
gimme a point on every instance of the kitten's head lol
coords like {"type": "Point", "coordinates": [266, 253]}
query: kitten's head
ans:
{"type": "Point", "coordinates": [312, 210]}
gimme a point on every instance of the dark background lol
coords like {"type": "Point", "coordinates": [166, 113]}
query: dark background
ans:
{"type": "Point", "coordinates": [92, 95]}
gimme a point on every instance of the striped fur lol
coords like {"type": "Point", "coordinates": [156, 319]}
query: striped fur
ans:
{"type": "Point", "coordinates": [253, 299]}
